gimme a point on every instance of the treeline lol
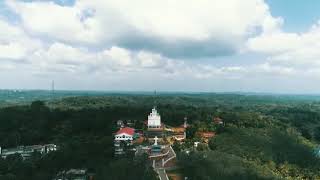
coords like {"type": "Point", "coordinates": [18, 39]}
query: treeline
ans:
{"type": "Point", "coordinates": [84, 137]}
{"type": "Point", "coordinates": [263, 137]}
{"type": "Point", "coordinates": [277, 141]}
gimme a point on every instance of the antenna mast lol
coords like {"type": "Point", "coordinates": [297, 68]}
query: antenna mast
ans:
{"type": "Point", "coordinates": [52, 87]}
{"type": "Point", "coordinates": [155, 102]}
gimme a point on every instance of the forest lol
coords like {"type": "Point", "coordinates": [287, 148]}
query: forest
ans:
{"type": "Point", "coordinates": [263, 137]}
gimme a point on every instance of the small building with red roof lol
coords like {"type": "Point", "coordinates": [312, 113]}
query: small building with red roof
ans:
{"type": "Point", "coordinates": [125, 134]}
{"type": "Point", "coordinates": [206, 135]}
{"type": "Point", "coordinates": [217, 120]}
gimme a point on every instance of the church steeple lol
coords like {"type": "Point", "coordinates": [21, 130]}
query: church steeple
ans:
{"type": "Point", "coordinates": [154, 119]}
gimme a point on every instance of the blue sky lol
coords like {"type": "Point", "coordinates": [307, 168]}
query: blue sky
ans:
{"type": "Point", "coordinates": [299, 15]}
{"type": "Point", "coordinates": [209, 45]}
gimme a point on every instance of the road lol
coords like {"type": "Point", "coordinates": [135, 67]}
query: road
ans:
{"type": "Point", "coordinates": [171, 154]}
{"type": "Point", "coordinates": [162, 174]}
{"type": "Point", "coordinates": [158, 164]}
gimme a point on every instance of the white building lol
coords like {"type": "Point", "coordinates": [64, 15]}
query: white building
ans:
{"type": "Point", "coordinates": [154, 119]}
{"type": "Point", "coordinates": [26, 151]}
{"type": "Point", "coordinates": [124, 134]}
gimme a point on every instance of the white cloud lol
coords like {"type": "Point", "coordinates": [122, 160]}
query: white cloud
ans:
{"type": "Point", "coordinates": [9, 32]}
{"type": "Point", "coordinates": [121, 41]}
{"type": "Point", "coordinates": [171, 28]}
{"type": "Point", "coordinates": [62, 54]}
{"type": "Point", "coordinates": [245, 72]}
{"type": "Point", "coordinates": [60, 57]}
{"type": "Point", "coordinates": [151, 60]}
{"type": "Point", "coordinates": [12, 51]}
{"type": "Point", "coordinates": [289, 49]}
{"type": "Point", "coordinates": [118, 56]}
{"type": "Point", "coordinates": [55, 21]}
{"type": "Point", "coordinates": [14, 43]}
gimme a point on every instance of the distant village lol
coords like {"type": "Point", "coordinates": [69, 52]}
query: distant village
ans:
{"type": "Point", "coordinates": [26, 151]}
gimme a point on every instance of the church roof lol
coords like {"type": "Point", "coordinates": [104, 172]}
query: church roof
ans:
{"type": "Point", "coordinates": [126, 130]}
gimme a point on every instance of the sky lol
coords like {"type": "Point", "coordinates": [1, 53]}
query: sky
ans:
{"type": "Point", "coordinates": [144, 45]}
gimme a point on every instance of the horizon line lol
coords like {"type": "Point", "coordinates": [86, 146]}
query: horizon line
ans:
{"type": "Point", "coordinates": [164, 91]}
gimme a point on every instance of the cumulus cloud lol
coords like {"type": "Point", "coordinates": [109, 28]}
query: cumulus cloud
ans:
{"type": "Point", "coordinates": [12, 51]}
{"type": "Point", "coordinates": [14, 43]}
{"type": "Point", "coordinates": [247, 72]}
{"type": "Point", "coordinates": [122, 41]}
{"type": "Point", "coordinates": [289, 49]}
{"type": "Point", "coordinates": [180, 28]}
{"type": "Point", "coordinates": [45, 18]}
{"type": "Point", "coordinates": [63, 58]}
{"type": "Point", "coordinates": [60, 57]}
{"type": "Point", "coordinates": [62, 54]}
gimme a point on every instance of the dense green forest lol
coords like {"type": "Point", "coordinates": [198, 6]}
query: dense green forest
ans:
{"type": "Point", "coordinates": [264, 137]}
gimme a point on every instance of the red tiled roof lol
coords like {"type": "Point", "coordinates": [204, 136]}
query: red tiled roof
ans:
{"type": "Point", "coordinates": [217, 120]}
{"type": "Point", "coordinates": [178, 129]}
{"type": "Point", "coordinates": [206, 134]}
{"type": "Point", "coordinates": [126, 130]}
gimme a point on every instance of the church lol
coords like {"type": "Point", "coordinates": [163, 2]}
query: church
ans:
{"type": "Point", "coordinates": [154, 125]}
{"type": "Point", "coordinates": [154, 119]}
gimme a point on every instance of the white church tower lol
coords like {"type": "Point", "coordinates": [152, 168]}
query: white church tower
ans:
{"type": "Point", "coordinates": [154, 120]}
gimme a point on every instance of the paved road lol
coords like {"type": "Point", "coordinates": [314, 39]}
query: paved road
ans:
{"type": "Point", "coordinates": [158, 164]}
{"type": "Point", "coordinates": [162, 174]}
{"type": "Point", "coordinates": [170, 155]}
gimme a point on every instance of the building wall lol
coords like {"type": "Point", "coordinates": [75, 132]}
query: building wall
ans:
{"type": "Point", "coordinates": [26, 151]}
{"type": "Point", "coordinates": [154, 119]}
{"type": "Point", "coordinates": [123, 137]}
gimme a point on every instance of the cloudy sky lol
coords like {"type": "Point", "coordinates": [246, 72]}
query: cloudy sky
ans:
{"type": "Point", "coordinates": [180, 45]}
